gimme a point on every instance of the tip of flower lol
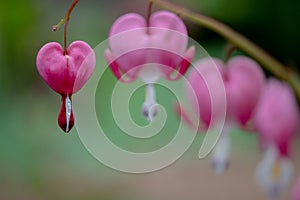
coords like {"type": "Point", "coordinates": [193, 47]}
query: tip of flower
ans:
{"type": "Point", "coordinates": [54, 28]}
{"type": "Point", "coordinates": [274, 172]}
{"type": "Point", "coordinates": [221, 154]}
{"type": "Point", "coordinates": [149, 111]}
{"type": "Point", "coordinates": [219, 168]}
{"type": "Point", "coordinates": [66, 117]}
{"type": "Point", "coordinates": [66, 128]}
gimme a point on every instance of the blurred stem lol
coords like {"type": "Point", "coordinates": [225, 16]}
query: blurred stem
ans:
{"type": "Point", "coordinates": [228, 51]}
{"type": "Point", "coordinates": [238, 40]}
{"type": "Point", "coordinates": [149, 14]}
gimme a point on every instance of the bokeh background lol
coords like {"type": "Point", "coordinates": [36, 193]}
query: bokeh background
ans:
{"type": "Point", "coordinates": [38, 161]}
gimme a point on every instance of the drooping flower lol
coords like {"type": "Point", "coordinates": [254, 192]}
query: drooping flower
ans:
{"type": "Point", "coordinates": [66, 73]}
{"type": "Point", "coordinates": [242, 79]}
{"type": "Point", "coordinates": [276, 121]}
{"type": "Point", "coordinates": [148, 50]}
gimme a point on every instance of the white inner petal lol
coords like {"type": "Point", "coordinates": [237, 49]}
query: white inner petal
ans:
{"type": "Point", "coordinates": [221, 154]}
{"type": "Point", "coordinates": [274, 172]}
{"type": "Point", "coordinates": [150, 107]}
{"type": "Point", "coordinates": [68, 112]}
{"type": "Point", "coordinates": [149, 73]}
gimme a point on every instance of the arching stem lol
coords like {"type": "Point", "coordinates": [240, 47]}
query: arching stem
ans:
{"type": "Point", "coordinates": [149, 15]}
{"type": "Point", "coordinates": [228, 51]}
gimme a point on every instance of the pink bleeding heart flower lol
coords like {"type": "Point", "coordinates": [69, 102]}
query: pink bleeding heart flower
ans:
{"type": "Point", "coordinates": [242, 79]}
{"type": "Point", "coordinates": [277, 117]}
{"type": "Point", "coordinates": [276, 121]}
{"type": "Point", "coordinates": [148, 50]}
{"type": "Point", "coordinates": [66, 73]}
{"type": "Point", "coordinates": [296, 190]}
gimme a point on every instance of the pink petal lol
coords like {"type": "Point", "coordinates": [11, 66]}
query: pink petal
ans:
{"type": "Point", "coordinates": [244, 86]}
{"type": "Point", "coordinates": [82, 63]}
{"type": "Point", "coordinates": [127, 22]}
{"type": "Point", "coordinates": [66, 74]}
{"type": "Point", "coordinates": [168, 20]}
{"type": "Point", "coordinates": [184, 65]}
{"type": "Point", "coordinates": [277, 117]}
{"type": "Point", "coordinates": [113, 65]}
{"type": "Point", "coordinates": [52, 64]}
{"type": "Point", "coordinates": [205, 81]}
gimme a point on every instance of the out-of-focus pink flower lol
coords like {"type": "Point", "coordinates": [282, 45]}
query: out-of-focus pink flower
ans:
{"type": "Point", "coordinates": [242, 79]}
{"type": "Point", "coordinates": [148, 50]}
{"type": "Point", "coordinates": [243, 82]}
{"type": "Point", "coordinates": [276, 121]}
{"type": "Point", "coordinates": [277, 117]}
{"type": "Point", "coordinates": [135, 44]}
{"type": "Point", "coordinates": [296, 190]}
{"type": "Point", "coordinates": [66, 73]}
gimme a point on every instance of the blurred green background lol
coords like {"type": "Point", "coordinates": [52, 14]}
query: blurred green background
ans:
{"type": "Point", "coordinates": [38, 161]}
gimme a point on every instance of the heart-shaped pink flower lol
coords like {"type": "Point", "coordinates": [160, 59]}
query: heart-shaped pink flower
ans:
{"type": "Point", "coordinates": [66, 73]}
{"type": "Point", "coordinates": [159, 44]}
{"type": "Point", "coordinates": [215, 87]}
{"type": "Point", "coordinates": [148, 49]}
{"type": "Point", "coordinates": [243, 81]}
{"type": "Point", "coordinates": [276, 118]}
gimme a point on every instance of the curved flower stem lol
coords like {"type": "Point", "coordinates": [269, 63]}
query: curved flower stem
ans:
{"type": "Point", "coordinates": [67, 18]}
{"type": "Point", "coordinates": [149, 12]}
{"type": "Point", "coordinates": [265, 59]}
{"type": "Point", "coordinates": [228, 51]}
{"type": "Point", "coordinates": [65, 21]}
